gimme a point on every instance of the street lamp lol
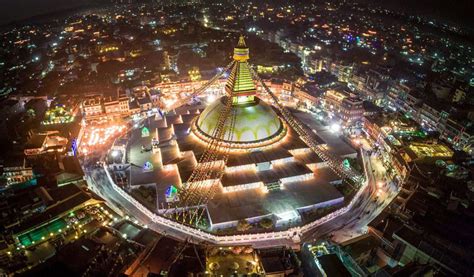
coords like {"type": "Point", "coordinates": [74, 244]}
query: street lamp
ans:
{"type": "Point", "coordinates": [335, 127]}
{"type": "Point", "coordinates": [211, 98]}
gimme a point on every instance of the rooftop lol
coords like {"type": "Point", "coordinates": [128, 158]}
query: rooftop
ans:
{"type": "Point", "coordinates": [359, 245]}
{"type": "Point", "coordinates": [333, 266]}
{"type": "Point", "coordinates": [63, 199]}
{"type": "Point", "coordinates": [250, 203]}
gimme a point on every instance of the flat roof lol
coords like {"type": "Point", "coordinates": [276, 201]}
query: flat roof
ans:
{"type": "Point", "coordinates": [333, 141]}
{"type": "Point", "coordinates": [359, 245]}
{"type": "Point", "coordinates": [308, 157]}
{"type": "Point", "coordinates": [36, 141]}
{"type": "Point", "coordinates": [160, 257]}
{"type": "Point", "coordinates": [254, 157]}
{"type": "Point", "coordinates": [333, 266]}
{"type": "Point", "coordinates": [52, 212]}
{"type": "Point", "coordinates": [238, 205]}
{"type": "Point", "coordinates": [173, 119]}
{"type": "Point", "coordinates": [288, 169]}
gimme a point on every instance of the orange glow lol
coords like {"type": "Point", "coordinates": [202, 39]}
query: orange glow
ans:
{"type": "Point", "coordinates": [97, 136]}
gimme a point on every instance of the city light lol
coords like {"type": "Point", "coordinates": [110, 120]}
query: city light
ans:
{"type": "Point", "coordinates": [211, 98]}
{"type": "Point", "coordinates": [97, 136]}
{"type": "Point", "coordinates": [335, 127]}
{"type": "Point", "coordinates": [323, 120]}
{"type": "Point", "coordinates": [58, 115]}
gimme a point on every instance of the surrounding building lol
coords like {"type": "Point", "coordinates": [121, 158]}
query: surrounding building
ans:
{"type": "Point", "coordinates": [44, 143]}
{"type": "Point", "coordinates": [92, 106]}
{"type": "Point", "coordinates": [346, 107]}
{"type": "Point", "coordinates": [15, 171]}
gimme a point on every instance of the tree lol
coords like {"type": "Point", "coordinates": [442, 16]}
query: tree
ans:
{"type": "Point", "coordinates": [243, 225]}
{"type": "Point", "coordinates": [266, 223]}
{"type": "Point", "coordinates": [31, 113]}
{"type": "Point", "coordinates": [109, 69]}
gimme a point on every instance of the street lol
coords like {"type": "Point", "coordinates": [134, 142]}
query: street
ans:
{"type": "Point", "coordinates": [354, 222]}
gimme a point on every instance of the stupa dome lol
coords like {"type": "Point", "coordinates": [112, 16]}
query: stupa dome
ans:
{"type": "Point", "coordinates": [255, 122]}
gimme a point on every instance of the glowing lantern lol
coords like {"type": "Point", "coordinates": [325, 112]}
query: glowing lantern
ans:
{"type": "Point", "coordinates": [171, 193]}
{"type": "Point", "coordinates": [148, 166]}
{"type": "Point", "coordinates": [145, 132]}
{"type": "Point", "coordinates": [346, 164]}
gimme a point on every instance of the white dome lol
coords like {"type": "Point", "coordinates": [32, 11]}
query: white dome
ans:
{"type": "Point", "coordinates": [255, 122]}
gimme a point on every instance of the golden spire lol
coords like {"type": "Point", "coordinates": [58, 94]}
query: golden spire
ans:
{"type": "Point", "coordinates": [241, 43]}
{"type": "Point", "coordinates": [241, 52]}
{"type": "Point", "coordinates": [240, 84]}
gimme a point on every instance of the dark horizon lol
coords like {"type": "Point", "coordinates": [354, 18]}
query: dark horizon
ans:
{"type": "Point", "coordinates": [14, 11]}
{"type": "Point", "coordinates": [458, 12]}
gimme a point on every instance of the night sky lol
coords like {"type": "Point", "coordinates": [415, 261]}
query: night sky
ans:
{"type": "Point", "coordinates": [459, 11]}
{"type": "Point", "coordinates": [20, 9]}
